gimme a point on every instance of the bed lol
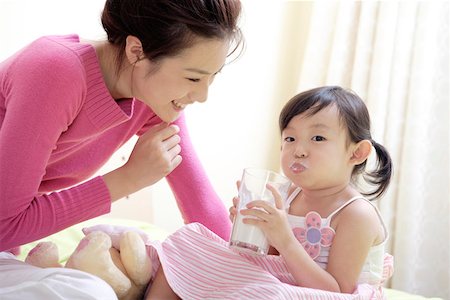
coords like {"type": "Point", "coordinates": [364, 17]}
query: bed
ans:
{"type": "Point", "coordinates": [68, 239]}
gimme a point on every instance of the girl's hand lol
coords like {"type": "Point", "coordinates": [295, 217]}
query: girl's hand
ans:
{"type": "Point", "coordinates": [155, 155]}
{"type": "Point", "coordinates": [272, 219]}
{"type": "Point", "coordinates": [233, 209]}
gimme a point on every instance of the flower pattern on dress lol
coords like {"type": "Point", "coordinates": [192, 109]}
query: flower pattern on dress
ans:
{"type": "Point", "coordinates": [314, 236]}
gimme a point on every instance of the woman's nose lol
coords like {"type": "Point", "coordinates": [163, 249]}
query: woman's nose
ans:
{"type": "Point", "coordinates": [200, 93]}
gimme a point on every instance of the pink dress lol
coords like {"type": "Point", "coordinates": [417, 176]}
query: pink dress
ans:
{"type": "Point", "coordinates": [199, 264]}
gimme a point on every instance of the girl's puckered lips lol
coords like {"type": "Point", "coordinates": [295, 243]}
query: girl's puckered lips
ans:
{"type": "Point", "coordinates": [297, 168]}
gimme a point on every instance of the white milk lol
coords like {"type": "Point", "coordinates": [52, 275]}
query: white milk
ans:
{"type": "Point", "coordinates": [248, 238]}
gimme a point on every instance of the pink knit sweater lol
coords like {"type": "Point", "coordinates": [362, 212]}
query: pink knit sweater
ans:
{"type": "Point", "coordinates": [58, 126]}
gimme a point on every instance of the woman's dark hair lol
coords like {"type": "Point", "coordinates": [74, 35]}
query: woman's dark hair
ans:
{"type": "Point", "coordinates": [354, 115]}
{"type": "Point", "coordinates": [166, 27]}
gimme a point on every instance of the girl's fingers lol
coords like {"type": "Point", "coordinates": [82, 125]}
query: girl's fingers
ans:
{"type": "Point", "coordinates": [267, 206]}
{"type": "Point", "coordinates": [262, 215]}
{"type": "Point", "coordinates": [276, 195]}
{"type": "Point", "coordinates": [235, 201]}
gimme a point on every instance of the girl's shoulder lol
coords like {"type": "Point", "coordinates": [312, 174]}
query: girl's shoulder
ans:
{"type": "Point", "coordinates": [357, 208]}
{"type": "Point", "coordinates": [360, 213]}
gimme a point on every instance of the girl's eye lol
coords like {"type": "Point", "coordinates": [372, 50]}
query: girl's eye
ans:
{"type": "Point", "coordinates": [318, 138]}
{"type": "Point", "coordinates": [194, 79]}
{"type": "Point", "coordinates": [289, 139]}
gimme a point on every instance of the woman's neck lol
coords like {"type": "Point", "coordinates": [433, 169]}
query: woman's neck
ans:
{"type": "Point", "coordinates": [107, 54]}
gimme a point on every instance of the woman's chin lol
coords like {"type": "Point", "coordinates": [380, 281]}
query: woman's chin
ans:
{"type": "Point", "coordinates": [169, 118]}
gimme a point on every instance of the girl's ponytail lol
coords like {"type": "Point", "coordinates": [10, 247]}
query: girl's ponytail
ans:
{"type": "Point", "coordinates": [381, 176]}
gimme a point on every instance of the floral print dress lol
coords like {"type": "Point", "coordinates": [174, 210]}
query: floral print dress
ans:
{"type": "Point", "coordinates": [316, 236]}
{"type": "Point", "coordinates": [198, 264]}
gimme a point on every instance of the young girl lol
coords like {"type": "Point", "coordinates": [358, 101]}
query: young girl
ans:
{"type": "Point", "coordinates": [67, 104]}
{"type": "Point", "coordinates": [328, 235]}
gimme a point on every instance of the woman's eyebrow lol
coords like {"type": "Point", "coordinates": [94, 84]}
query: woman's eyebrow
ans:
{"type": "Point", "coordinates": [203, 72]}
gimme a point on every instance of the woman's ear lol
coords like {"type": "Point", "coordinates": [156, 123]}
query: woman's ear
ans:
{"type": "Point", "coordinates": [361, 152]}
{"type": "Point", "coordinates": [133, 49]}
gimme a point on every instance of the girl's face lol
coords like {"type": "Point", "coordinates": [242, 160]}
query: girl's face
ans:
{"type": "Point", "coordinates": [181, 80]}
{"type": "Point", "coordinates": [315, 153]}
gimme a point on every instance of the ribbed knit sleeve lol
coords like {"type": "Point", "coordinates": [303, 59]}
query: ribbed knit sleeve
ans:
{"type": "Point", "coordinates": [42, 91]}
{"type": "Point", "coordinates": [196, 198]}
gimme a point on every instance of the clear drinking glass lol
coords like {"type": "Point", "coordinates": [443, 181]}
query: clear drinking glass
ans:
{"type": "Point", "coordinates": [247, 237]}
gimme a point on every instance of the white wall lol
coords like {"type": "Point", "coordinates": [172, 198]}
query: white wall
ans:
{"type": "Point", "coordinates": [235, 128]}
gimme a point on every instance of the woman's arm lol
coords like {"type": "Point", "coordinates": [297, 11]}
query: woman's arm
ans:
{"type": "Point", "coordinates": [42, 96]}
{"type": "Point", "coordinates": [196, 198]}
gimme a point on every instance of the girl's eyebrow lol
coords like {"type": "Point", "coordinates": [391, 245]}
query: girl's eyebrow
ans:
{"type": "Point", "coordinates": [320, 126]}
{"type": "Point", "coordinates": [316, 125]}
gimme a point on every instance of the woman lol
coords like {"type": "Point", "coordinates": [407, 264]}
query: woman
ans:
{"type": "Point", "coordinates": [67, 104]}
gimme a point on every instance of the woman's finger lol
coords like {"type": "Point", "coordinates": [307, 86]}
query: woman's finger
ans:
{"type": "Point", "coordinates": [174, 151]}
{"type": "Point", "coordinates": [171, 142]}
{"type": "Point", "coordinates": [168, 131]}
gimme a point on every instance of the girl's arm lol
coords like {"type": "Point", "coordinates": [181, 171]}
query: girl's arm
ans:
{"type": "Point", "coordinates": [357, 229]}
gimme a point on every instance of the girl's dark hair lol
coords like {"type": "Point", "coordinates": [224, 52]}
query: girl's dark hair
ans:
{"type": "Point", "coordinates": [354, 115]}
{"type": "Point", "coordinates": [166, 27]}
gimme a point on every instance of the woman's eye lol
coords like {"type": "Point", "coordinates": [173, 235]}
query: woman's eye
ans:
{"type": "Point", "coordinates": [289, 139]}
{"type": "Point", "coordinates": [318, 138]}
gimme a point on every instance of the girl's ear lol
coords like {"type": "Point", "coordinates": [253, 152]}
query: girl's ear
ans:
{"type": "Point", "coordinates": [361, 152]}
{"type": "Point", "coordinates": [133, 49]}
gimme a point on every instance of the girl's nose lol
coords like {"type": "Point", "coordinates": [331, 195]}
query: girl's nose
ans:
{"type": "Point", "coordinates": [300, 152]}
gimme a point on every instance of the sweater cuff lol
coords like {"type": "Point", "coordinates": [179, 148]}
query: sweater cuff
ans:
{"type": "Point", "coordinates": [96, 194]}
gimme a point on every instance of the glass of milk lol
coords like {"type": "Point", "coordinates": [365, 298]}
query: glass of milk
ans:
{"type": "Point", "coordinates": [246, 237]}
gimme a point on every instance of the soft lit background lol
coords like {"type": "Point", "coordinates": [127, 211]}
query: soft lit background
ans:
{"type": "Point", "coordinates": [394, 54]}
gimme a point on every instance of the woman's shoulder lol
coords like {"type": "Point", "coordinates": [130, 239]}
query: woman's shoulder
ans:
{"type": "Point", "coordinates": [54, 60]}
{"type": "Point", "coordinates": [53, 69]}
{"type": "Point", "coordinates": [54, 51]}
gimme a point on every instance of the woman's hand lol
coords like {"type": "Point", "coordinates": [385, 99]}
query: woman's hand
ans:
{"type": "Point", "coordinates": [155, 155]}
{"type": "Point", "coordinates": [272, 219]}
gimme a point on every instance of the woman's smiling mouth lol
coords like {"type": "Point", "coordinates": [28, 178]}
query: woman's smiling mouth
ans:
{"type": "Point", "coordinates": [178, 106]}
